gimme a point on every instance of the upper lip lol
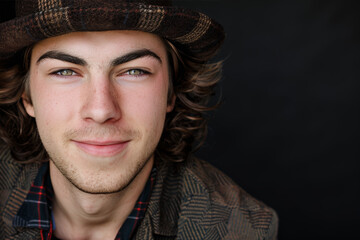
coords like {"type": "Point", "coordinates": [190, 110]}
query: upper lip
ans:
{"type": "Point", "coordinates": [101, 143]}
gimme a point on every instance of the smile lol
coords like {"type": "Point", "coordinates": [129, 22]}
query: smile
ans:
{"type": "Point", "coordinates": [102, 149]}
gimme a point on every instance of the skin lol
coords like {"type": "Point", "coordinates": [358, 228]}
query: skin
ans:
{"type": "Point", "coordinates": [100, 117]}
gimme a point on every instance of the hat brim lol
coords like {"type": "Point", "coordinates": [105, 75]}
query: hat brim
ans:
{"type": "Point", "coordinates": [194, 32]}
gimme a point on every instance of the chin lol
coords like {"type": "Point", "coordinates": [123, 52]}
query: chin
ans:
{"type": "Point", "coordinates": [105, 181]}
{"type": "Point", "coordinates": [101, 187]}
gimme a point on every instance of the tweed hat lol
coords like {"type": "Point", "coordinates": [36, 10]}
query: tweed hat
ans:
{"type": "Point", "coordinates": [35, 20]}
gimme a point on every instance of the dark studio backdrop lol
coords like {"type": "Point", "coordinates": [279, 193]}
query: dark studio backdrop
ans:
{"type": "Point", "coordinates": [288, 129]}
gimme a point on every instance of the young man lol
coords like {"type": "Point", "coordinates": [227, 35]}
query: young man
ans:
{"type": "Point", "coordinates": [101, 103]}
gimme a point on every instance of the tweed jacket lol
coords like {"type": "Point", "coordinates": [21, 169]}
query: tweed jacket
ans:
{"type": "Point", "coordinates": [192, 200]}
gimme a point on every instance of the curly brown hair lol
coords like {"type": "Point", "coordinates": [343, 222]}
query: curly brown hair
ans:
{"type": "Point", "coordinates": [193, 81]}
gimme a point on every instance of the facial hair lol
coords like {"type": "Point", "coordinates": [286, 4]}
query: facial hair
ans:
{"type": "Point", "coordinates": [100, 182]}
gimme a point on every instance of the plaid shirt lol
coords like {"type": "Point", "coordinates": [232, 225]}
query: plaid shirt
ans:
{"type": "Point", "coordinates": [36, 212]}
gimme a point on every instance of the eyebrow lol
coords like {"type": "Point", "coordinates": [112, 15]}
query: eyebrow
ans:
{"type": "Point", "coordinates": [117, 61]}
{"type": "Point", "coordinates": [62, 57]}
{"type": "Point", "coordinates": [135, 55]}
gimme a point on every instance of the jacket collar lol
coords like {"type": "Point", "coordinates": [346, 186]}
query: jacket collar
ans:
{"type": "Point", "coordinates": [26, 175]}
{"type": "Point", "coordinates": [162, 215]}
{"type": "Point", "coordinates": [161, 219]}
{"type": "Point", "coordinates": [174, 187]}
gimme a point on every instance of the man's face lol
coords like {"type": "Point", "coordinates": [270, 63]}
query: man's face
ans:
{"type": "Point", "coordinates": [100, 101]}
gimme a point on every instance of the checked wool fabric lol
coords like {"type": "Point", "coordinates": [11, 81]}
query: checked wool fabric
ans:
{"type": "Point", "coordinates": [36, 209]}
{"type": "Point", "coordinates": [191, 200]}
{"type": "Point", "coordinates": [36, 20]}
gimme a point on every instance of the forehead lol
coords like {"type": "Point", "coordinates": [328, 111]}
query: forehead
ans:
{"type": "Point", "coordinates": [104, 44]}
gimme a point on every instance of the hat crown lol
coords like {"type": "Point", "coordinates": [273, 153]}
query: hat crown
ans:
{"type": "Point", "coordinates": [192, 31]}
{"type": "Point", "coordinates": [26, 7]}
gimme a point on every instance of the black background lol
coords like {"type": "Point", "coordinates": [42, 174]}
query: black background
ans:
{"type": "Point", "coordinates": [288, 130]}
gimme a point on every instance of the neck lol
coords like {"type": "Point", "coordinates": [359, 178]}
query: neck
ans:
{"type": "Point", "coordinates": [80, 215]}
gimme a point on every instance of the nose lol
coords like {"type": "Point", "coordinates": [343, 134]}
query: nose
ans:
{"type": "Point", "coordinates": [101, 103]}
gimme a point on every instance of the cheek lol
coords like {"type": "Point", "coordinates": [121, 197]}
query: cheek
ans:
{"type": "Point", "coordinates": [148, 105]}
{"type": "Point", "coordinates": [47, 112]}
{"type": "Point", "coordinates": [51, 107]}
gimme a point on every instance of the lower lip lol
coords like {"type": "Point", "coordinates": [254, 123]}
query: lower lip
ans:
{"type": "Point", "coordinates": [102, 150]}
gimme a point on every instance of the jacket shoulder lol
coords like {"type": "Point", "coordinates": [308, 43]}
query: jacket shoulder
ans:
{"type": "Point", "coordinates": [15, 181]}
{"type": "Point", "coordinates": [9, 169]}
{"type": "Point", "coordinates": [234, 212]}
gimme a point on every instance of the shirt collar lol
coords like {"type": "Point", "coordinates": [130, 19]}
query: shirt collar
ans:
{"type": "Point", "coordinates": [35, 212]}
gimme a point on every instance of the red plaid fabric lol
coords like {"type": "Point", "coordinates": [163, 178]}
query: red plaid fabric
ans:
{"type": "Point", "coordinates": [36, 212]}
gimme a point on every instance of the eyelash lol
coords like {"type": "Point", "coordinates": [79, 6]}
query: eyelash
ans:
{"type": "Point", "coordinates": [58, 72]}
{"type": "Point", "coordinates": [73, 73]}
{"type": "Point", "coordinates": [141, 72]}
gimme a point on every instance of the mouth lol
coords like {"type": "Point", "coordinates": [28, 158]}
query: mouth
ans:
{"type": "Point", "coordinates": [102, 148]}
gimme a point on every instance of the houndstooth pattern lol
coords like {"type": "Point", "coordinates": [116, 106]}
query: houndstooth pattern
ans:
{"type": "Point", "coordinates": [191, 201]}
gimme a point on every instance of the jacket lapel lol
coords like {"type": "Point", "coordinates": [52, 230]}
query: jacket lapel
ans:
{"type": "Point", "coordinates": [160, 221]}
{"type": "Point", "coordinates": [14, 189]}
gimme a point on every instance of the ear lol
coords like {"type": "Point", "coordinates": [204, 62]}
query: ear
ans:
{"type": "Point", "coordinates": [28, 105]}
{"type": "Point", "coordinates": [171, 105]}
